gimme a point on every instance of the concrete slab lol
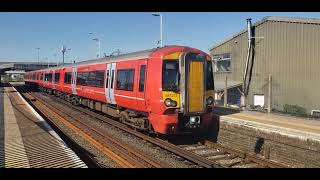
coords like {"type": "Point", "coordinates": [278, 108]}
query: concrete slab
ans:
{"type": "Point", "coordinates": [308, 125]}
{"type": "Point", "coordinates": [292, 141]}
{"type": "Point", "coordinates": [1, 129]}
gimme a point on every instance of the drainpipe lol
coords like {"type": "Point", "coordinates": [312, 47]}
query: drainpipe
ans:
{"type": "Point", "coordinates": [244, 93]}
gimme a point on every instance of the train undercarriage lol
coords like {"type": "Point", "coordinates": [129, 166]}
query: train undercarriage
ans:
{"type": "Point", "coordinates": [135, 119]}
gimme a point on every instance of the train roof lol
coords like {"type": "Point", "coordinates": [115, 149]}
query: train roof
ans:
{"type": "Point", "coordinates": [133, 55]}
{"type": "Point", "coordinates": [128, 56]}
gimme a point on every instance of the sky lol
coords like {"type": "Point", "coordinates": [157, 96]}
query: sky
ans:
{"type": "Point", "coordinates": [22, 33]}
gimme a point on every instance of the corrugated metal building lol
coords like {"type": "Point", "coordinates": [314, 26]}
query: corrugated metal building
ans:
{"type": "Point", "coordinates": [289, 51]}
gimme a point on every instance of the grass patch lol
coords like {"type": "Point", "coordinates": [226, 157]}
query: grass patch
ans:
{"type": "Point", "coordinates": [295, 110]}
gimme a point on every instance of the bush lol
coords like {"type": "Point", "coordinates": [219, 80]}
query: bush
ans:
{"type": "Point", "coordinates": [294, 109]}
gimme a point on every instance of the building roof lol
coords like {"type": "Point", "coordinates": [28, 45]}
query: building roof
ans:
{"type": "Point", "coordinates": [271, 18]}
{"type": "Point", "coordinates": [15, 72]}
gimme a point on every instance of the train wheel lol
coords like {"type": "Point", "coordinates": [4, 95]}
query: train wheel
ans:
{"type": "Point", "coordinates": [123, 116]}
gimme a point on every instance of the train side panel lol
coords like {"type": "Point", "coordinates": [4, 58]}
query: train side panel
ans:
{"type": "Point", "coordinates": [125, 91]}
{"type": "Point", "coordinates": [95, 90]}
{"type": "Point", "coordinates": [66, 84]}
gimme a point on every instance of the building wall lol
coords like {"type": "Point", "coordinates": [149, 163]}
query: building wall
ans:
{"type": "Point", "coordinates": [290, 52]}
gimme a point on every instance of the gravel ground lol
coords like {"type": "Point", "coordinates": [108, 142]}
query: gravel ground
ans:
{"type": "Point", "coordinates": [158, 153]}
{"type": "Point", "coordinates": [99, 156]}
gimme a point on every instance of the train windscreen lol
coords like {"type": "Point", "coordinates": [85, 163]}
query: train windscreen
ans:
{"type": "Point", "coordinates": [170, 75]}
{"type": "Point", "coordinates": [209, 80]}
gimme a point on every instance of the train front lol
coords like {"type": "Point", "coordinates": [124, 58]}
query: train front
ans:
{"type": "Point", "coordinates": [187, 92]}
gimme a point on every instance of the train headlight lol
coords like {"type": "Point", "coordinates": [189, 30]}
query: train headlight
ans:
{"type": "Point", "coordinates": [194, 120]}
{"type": "Point", "coordinates": [210, 100]}
{"type": "Point", "coordinates": [168, 102]}
{"type": "Point", "coordinates": [174, 104]}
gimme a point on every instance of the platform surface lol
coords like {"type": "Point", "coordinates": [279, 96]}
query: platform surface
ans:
{"type": "Point", "coordinates": [26, 140]}
{"type": "Point", "coordinates": [285, 124]}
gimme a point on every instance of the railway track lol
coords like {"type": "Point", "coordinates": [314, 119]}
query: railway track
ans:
{"type": "Point", "coordinates": [229, 158]}
{"type": "Point", "coordinates": [122, 154]}
{"type": "Point", "coordinates": [206, 154]}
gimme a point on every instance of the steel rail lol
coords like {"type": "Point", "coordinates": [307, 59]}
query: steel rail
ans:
{"type": "Point", "coordinates": [89, 160]}
{"type": "Point", "coordinates": [106, 150]}
{"type": "Point", "coordinates": [247, 156]}
{"type": "Point", "coordinates": [202, 161]}
{"type": "Point", "coordinates": [126, 147]}
{"type": "Point", "coordinates": [156, 141]}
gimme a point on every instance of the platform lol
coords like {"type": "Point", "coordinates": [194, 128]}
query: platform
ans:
{"type": "Point", "coordinates": [26, 140]}
{"type": "Point", "coordinates": [291, 140]}
{"type": "Point", "coordinates": [292, 126]}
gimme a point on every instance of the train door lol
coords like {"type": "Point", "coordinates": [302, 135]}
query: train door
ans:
{"type": "Point", "coordinates": [47, 79]}
{"type": "Point", "coordinates": [195, 83]}
{"type": "Point", "coordinates": [113, 79]}
{"type": "Point", "coordinates": [74, 80]}
{"type": "Point", "coordinates": [53, 79]}
{"type": "Point", "coordinates": [106, 90]}
{"type": "Point", "coordinates": [142, 76]}
{"type": "Point", "coordinates": [110, 83]}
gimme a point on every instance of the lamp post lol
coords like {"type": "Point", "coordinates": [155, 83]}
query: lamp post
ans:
{"type": "Point", "coordinates": [63, 50]}
{"type": "Point", "coordinates": [38, 54]}
{"type": "Point", "coordinates": [69, 49]}
{"type": "Point", "coordinates": [99, 43]}
{"type": "Point", "coordinates": [159, 14]}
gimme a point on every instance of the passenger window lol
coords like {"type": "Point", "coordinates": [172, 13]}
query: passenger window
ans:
{"type": "Point", "coordinates": [57, 77]}
{"type": "Point", "coordinates": [92, 78]}
{"type": "Point", "coordinates": [50, 77]}
{"type": "Point", "coordinates": [99, 78]}
{"type": "Point", "coordinates": [67, 78]}
{"type": "Point", "coordinates": [125, 79]}
{"type": "Point", "coordinates": [142, 78]}
{"type": "Point", "coordinates": [80, 79]}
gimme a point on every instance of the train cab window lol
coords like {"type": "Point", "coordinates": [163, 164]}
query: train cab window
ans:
{"type": "Point", "coordinates": [142, 78]}
{"type": "Point", "coordinates": [67, 78]}
{"type": "Point", "coordinates": [210, 81]}
{"type": "Point", "coordinates": [170, 75]}
{"type": "Point", "coordinates": [57, 77]}
{"type": "Point", "coordinates": [125, 79]}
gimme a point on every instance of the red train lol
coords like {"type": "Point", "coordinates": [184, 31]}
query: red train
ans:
{"type": "Point", "coordinates": [166, 90]}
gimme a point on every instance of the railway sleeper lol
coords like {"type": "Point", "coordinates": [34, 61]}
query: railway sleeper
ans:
{"type": "Point", "coordinates": [229, 161]}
